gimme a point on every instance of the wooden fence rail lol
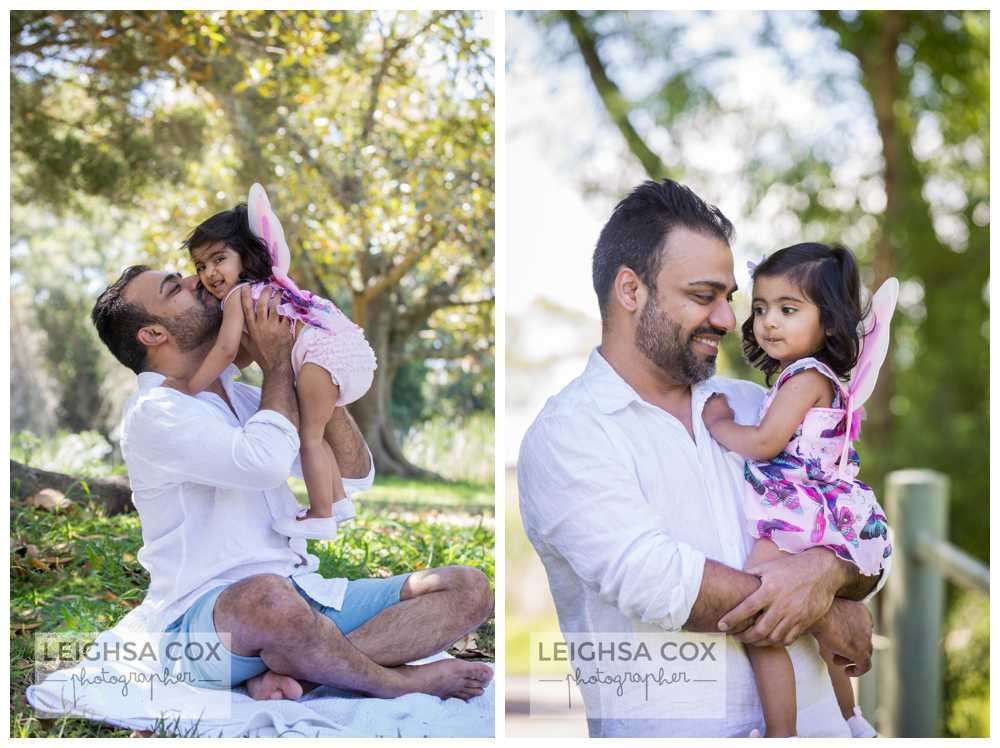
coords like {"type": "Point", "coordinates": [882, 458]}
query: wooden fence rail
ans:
{"type": "Point", "coordinates": [903, 689]}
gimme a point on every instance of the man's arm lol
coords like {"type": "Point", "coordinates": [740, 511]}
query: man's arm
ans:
{"type": "Point", "coordinates": [269, 340]}
{"type": "Point", "coordinates": [795, 596]}
{"type": "Point", "coordinates": [722, 588]}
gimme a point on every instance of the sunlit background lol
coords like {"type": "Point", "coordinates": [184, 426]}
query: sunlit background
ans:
{"type": "Point", "coordinates": [799, 129]}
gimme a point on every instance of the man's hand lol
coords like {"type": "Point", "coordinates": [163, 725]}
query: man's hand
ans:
{"type": "Point", "coordinates": [794, 593]}
{"type": "Point", "coordinates": [846, 631]}
{"type": "Point", "coordinates": [716, 409]}
{"type": "Point", "coordinates": [269, 337]}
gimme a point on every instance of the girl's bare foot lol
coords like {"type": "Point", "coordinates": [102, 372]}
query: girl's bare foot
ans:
{"type": "Point", "coordinates": [273, 686]}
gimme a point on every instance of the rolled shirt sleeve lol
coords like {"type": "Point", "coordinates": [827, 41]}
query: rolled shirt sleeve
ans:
{"type": "Point", "coordinates": [580, 497]}
{"type": "Point", "coordinates": [184, 438]}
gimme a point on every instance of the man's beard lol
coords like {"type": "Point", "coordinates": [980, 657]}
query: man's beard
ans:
{"type": "Point", "coordinates": [195, 327]}
{"type": "Point", "coordinates": [662, 341]}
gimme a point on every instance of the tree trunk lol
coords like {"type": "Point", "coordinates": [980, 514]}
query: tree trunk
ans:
{"type": "Point", "coordinates": [880, 73]}
{"type": "Point", "coordinates": [115, 492]}
{"type": "Point", "coordinates": [372, 411]}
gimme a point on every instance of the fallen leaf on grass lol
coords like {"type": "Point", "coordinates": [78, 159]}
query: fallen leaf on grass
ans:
{"type": "Point", "coordinates": [23, 664]}
{"type": "Point", "coordinates": [471, 654]}
{"type": "Point", "coordinates": [128, 558]}
{"type": "Point", "coordinates": [25, 627]}
{"type": "Point", "coordinates": [48, 499]}
{"type": "Point", "coordinates": [467, 642]}
{"type": "Point", "coordinates": [29, 550]}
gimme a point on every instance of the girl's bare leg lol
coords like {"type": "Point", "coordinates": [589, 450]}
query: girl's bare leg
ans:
{"type": "Point", "coordinates": [317, 399]}
{"type": "Point", "coordinates": [841, 685]}
{"type": "Point", "coordinates": [772, 668]}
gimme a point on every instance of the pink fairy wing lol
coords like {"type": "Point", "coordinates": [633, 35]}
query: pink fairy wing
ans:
{"type": "Point", "coordinates": [874, 347]}
{"type": "Point", "coordinates": [875, 344]}
{"type": "Point", "coordinates": [267, 227]}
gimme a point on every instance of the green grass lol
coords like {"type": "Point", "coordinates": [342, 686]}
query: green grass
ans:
{"type": "Point", "coordinates": [405, 492]}
{"type": "Point", "coordinates": [76, 569]}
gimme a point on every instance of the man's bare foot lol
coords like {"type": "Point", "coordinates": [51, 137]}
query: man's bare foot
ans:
{"type": "Point", "coordinates": [272, 686]}
{"type": "Point", "coordinates": [446, 679]}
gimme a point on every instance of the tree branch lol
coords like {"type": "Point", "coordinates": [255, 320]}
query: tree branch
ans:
{"type": "Point", "coordinates": [387, 59]}
{"type": "Point", "coordinates": [611, 96]}
{"type": "Point", "coordinates": [341, 189]}
{"type": "Point", "coordinates": [400, 269]}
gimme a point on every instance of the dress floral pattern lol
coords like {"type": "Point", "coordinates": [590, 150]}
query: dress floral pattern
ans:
{"type": "Point", "coordinates": [798, 499]}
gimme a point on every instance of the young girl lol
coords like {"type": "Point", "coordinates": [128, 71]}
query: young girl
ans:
{"type": "Point", "coordinates": [802, 487]}
{"type": "Point", "coordinates": [332, 361]}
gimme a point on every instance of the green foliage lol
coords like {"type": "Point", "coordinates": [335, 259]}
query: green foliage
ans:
{"type": "Point", "coordinates": [967, 667]}
{"type": "Point", "coordinates": [409, 404]}
{"type": "Point", "coordinates": [372, 132]}
{"type": "Point", "coordinates": [87, 453]}
{"type": "Point", "coordinates": [458, 449]}
{"type": "Point", "coordinates": [75, 356]}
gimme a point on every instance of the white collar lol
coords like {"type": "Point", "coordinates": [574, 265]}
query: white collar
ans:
{"type": "Point", "coordinates": [149, 379]}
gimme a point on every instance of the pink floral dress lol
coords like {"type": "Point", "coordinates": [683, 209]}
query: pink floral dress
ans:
{"type": "Point", "coordinates": [799, 500]}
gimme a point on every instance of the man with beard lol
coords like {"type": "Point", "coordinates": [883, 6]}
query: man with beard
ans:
{"type": "Point", "coordinates": [209, 474]}
{"type": "Point", "coordinates": [635, 510]}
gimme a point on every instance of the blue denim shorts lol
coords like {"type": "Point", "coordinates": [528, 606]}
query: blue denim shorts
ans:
{"type": "Point", "coordinates": [194, 642]}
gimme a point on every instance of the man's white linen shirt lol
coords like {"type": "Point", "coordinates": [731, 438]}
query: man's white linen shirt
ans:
{"type": "Point", "coordinates": [623, 508]}
{"type": "Point", "coordinates": [207, 483]}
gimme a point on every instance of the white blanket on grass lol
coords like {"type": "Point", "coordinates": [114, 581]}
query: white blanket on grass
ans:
{"type": "Point", "coordinates": [125, 695]}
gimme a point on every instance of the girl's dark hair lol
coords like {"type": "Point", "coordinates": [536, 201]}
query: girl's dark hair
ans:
{"type": "Point", "coordinates": [828, 276]}
{"type": "Point", "coordinates": [233, 228]}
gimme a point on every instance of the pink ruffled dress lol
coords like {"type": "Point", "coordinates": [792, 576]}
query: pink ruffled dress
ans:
{"type": "Point", "coordinates": [801, 499]}
{"type": "Point", "coordinates": [328, 339]}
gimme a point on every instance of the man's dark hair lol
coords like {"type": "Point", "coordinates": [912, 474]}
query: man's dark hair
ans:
{"type": "Point", "coordinates": [118, 322]}
{"type": "Point", "coordinates": [828, 276]}
{"type": "Point", "coordinates": [637, 232]}
{"type": "Point", "coordinates": [232, 227]}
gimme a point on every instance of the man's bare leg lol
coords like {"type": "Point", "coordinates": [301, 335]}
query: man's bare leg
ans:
{"type": "Point", "coordinates": [442, 601]}
{"type": "Point", "coordinates": [437, 607]}
{"type": "Point", "coordinates": [269, 619]}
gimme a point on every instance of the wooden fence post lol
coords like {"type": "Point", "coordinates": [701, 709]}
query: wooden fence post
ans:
{"type": "Point", "coordinates": [913, 605]}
